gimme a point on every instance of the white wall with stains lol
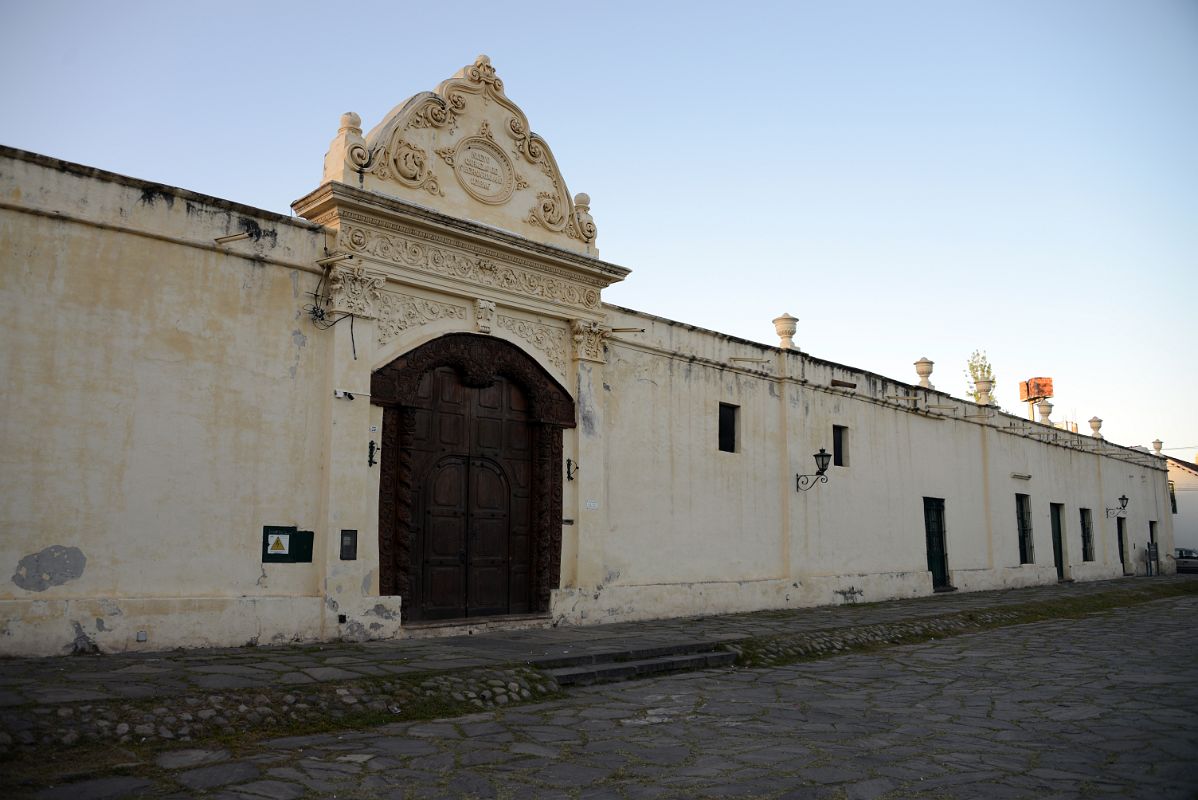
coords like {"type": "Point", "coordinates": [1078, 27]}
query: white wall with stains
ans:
{"type": "Point", "coordinates": [164, 400]}
{"type": "Point", "coordinates": [688, 529]}
{"type": "Point", "coordinates": [166, 396]}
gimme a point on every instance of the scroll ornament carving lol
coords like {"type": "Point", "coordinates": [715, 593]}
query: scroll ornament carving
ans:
{"type": "Point", "coordinates": [353, 289]}
{"type": "Point", "coordinates": [399, 312]}
{"type": "Point", "coordinates": [588, 340]}
{"type": "Point", "coordinates": [553, 210]}
{"type": "Point", "coordinates": [400, 161]}
{"type": "Point", "coordinates": [436, 112]}
{"type": "Point", "coordinates": [485, 313]}
{"type": "Point", "coordinates": [429, 258]}
{"type": "Point", "coordinates": [549, 340]}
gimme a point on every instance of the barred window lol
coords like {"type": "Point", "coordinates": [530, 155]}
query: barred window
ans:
{"type": "Point", "coordinates": [1087, 535]}
{"type": "Point", "coordinates": [1023, 516]}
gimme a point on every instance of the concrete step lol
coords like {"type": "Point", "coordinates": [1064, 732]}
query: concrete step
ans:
{"type": "Point", "coordinates": [607, 671]}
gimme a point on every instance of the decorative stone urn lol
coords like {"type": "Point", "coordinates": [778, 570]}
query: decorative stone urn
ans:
{"type": "Point", "coordinates": [1095, 424]}
{"type": "Point", "coordinates": [786, 325]}
{"type": "Point", "coordinates": [983, 387]}
{"type": "Point", "coordinates": [1045, 409]}
{"type": "Point", "coordinates": [1157, 444]}
{"type": "Point", "coordinates": [923, 368]}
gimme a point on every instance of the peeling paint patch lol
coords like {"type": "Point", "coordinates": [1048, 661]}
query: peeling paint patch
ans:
{"type": "Point", "coordinates": [53, 566]}
{"type": "Point", "coordinates": [83, 645]}
{"type": "Point", "coordinates": [355, 632]}
{"type": "Point", "coordinates": [100, 624]}
{"type": "Point", "coordinates": [586, 413]}
{"type": "Point", "coordinates": [382, 611]}
{"type": "Point", "coordinates": [298, 337]}
{"type": "Point", "coordinates": [331, 604]}
{"type": "Point", "coordinates": [366, 580]}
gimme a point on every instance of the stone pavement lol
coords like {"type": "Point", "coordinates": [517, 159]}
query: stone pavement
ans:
{"type": "Point", "coordinates": [49, 681]}
{"type": "Point", "coordinates": [1101, 706]}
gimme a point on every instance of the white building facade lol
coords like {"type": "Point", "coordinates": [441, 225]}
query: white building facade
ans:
{"type": "Point", "coordinates": [412, 408]}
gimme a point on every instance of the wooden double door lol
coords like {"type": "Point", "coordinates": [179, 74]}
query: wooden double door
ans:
{"type": "Point", "coordinates": [471, 457]}
{"type": "Point", "coordinates": [470, 488]}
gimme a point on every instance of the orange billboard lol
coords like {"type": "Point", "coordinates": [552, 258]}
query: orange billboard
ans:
{"type": "Point", "coordinates": [1035, 389]}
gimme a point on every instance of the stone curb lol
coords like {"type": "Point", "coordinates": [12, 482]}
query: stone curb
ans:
{"type": "Point", "coordinates": [196, 717]}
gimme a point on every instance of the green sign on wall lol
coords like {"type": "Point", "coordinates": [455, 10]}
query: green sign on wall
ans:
{"type": "Point", "coordinates": [286, 545]}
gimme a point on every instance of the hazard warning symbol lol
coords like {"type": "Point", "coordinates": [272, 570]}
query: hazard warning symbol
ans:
{"type": "Point", "coordinates": [285, 544]}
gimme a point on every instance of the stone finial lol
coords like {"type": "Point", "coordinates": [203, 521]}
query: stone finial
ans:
{"type": "Point", "coordinates": [1095, 425]}
{"type": "Point", "coordinates": [347, 154]}
{"type": "Point", "coordinates": [1045, 409]}
{"type": "Point", "coordinates": [1157, 444]}
{"type": "Point", "coordinates": [583, 218]}
{"type": "Point", "coordinates": [982, 387]}
{"type": "Point", "coordinates": [923, 368]}
{"type": "Point", "coordinates": [786, 325]}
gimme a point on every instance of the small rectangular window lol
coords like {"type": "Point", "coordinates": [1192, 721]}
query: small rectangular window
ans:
{"type": "Point", "coordinates": [1173, 497]}
{"type": "Point", "coordinates": [1023, 517]}
{"type": "Point", "coordinates": [1087, 535]}
{"type": "Point", "coordinates": [840, 446]}
{"type": "Point", "coordinates": [728, 427]}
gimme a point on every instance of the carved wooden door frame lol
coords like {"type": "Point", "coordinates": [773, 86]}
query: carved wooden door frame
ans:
{"type": "Point", "coordinates": [478, 360]}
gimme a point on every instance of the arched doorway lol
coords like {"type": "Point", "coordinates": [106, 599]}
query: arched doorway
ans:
{"type": "Point", "coordinates": [470, 494]}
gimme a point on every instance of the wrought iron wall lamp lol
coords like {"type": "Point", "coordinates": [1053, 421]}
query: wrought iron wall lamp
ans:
{"type": "Point", "coordinates": [1120, 511]}
{"type": "Point", "coordinates": [805, 482]}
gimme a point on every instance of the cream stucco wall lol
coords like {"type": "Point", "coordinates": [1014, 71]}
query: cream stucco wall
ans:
{"type": "Point", "coordinates": [164, 400]}
{"type": "Point", "coordinates": [168, 395]}
{"type": "Point", "coordinates": [690, 529]}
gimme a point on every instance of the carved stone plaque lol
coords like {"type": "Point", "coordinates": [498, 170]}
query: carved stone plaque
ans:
{"type": "Point", "coordinates": [484, 170]}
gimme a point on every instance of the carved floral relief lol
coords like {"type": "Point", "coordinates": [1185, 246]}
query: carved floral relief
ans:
{"type": "Point", "coordinates": [353, 289]}
{"type": "Point", "coordinates": [430, 258]}
{"type": "Point", "coordinates": [588, 340]}
{"type": "Point", "coordinates": [405, 148]}
{"type": "Point", "coordinates": [549, 340]}
{"type": "Point", "coordinates": [399, 312]}
{"type": "Point", "coordinates": [484, 312]}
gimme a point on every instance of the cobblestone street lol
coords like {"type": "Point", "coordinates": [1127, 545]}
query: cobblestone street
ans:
{"type": "Point", "coordinates": [1104, 706]}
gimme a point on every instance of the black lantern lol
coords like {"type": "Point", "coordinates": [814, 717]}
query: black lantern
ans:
{"type": "Point", "coordinates": [805, 482]}
{"type": "Point", "coordinates": [1121, 510]}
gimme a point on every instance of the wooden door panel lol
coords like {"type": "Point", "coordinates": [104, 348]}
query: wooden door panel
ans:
{"type": "Point", "coordinates": [516, 440]}
{"type": "Point", "coordinates": [488, 435]}
{"type": "Point", "coordinates": [491, 397]}
{"type": "Point", "coordinates": [933, 512]}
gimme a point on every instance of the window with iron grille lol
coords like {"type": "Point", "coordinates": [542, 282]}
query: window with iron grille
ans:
{"type": "Point", "coordinates": [1087, 535]}
{"type": "Point", "coordinates": [1023, 516]}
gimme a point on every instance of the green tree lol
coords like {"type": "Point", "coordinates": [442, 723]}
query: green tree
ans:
{"type": "Point", "coordinates": [978, 369]}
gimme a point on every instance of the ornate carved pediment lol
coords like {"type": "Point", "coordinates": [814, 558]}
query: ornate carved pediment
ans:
{"type": "Point", "coordinates": [468, 151]}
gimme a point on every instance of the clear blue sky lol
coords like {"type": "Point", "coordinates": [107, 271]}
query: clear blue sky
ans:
{"type": "Point", "coordinates": [908, 178]}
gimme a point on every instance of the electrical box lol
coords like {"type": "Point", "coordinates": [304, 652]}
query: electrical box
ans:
{"type": "Point", "coordinates": [286, 545]}
{"type": "Point", "coordinates": [349, 545]}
